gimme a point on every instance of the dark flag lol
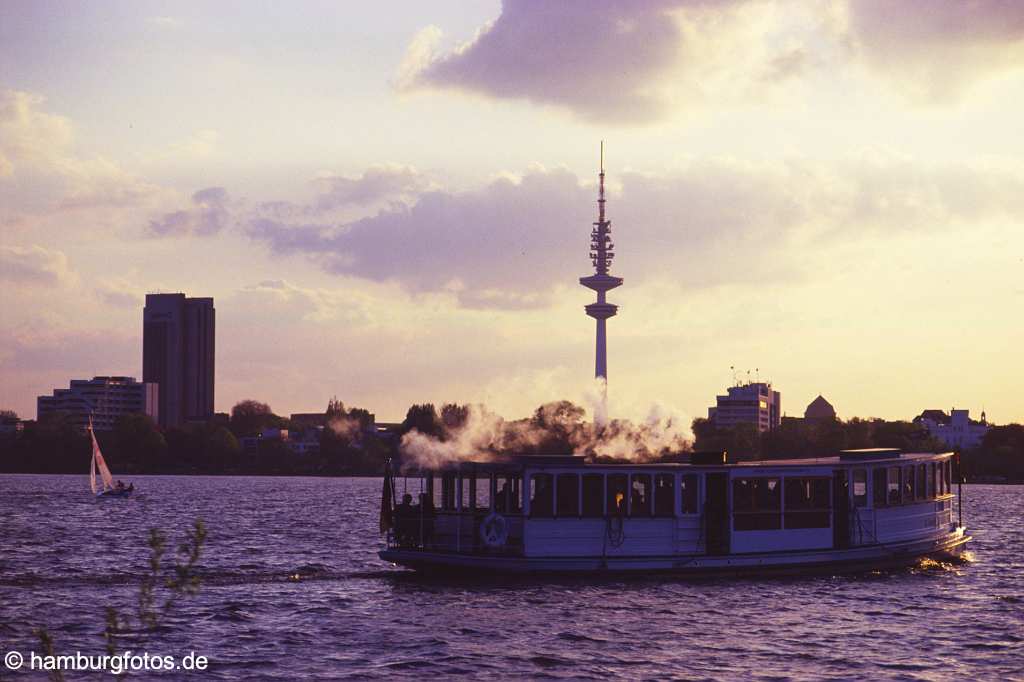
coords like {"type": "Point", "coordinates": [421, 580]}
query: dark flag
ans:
{"type": "Point", "coordinates": [386, 515]}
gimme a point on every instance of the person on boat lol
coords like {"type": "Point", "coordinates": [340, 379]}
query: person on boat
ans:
{"type": "Point", "coordinates": [404, 520]}
{"type": "Point", "coordinates": [501, 501]}
{"type": "Point", "coordinates": [120, 486]}
{"type": "Point", "coordinates": [426, 517]}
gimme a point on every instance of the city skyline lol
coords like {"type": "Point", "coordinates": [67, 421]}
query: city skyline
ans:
{"type": "Point", "coordinates": [393, 209]}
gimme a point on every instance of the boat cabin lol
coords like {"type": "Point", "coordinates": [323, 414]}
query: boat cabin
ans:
{"type": "Point", "coordinates": [562, 506]}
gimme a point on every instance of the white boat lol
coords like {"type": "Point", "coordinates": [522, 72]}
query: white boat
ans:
{"type": "Point", "coordinates": [859, 510]}
{"type": "Point", "coordinates": [98, 462]}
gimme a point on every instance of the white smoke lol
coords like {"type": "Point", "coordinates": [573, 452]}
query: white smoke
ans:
{"type": "Point", "coordinates": [556, 428]}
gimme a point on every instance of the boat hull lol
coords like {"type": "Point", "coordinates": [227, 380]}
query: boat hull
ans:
{"type": "Point", "coordinates": [856, 559]}
{"type": "Point", "coordinates": [115, 493]}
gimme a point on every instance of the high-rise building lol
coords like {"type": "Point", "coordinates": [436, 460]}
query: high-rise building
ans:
{"type": "Point", "coordinates": [178, 354]}
{"type": "Point", "coordinates": [104, 399]}
{"type": "Point", "coordinates": [752, 403]}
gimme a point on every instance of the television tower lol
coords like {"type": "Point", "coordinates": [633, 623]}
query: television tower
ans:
{"type": "Point", "coordinates": [602, 251]}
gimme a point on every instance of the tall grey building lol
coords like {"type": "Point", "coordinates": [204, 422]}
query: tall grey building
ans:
{"type": "Point", "coordinates": [178, 354]}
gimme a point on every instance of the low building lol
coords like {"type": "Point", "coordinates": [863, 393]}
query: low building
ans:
{"type": "Point", "coordinates": [956, 429]}
{"type": "Point", "coordinates": [11, 427]}
{"type": "Point", "coordinates": [820, 410]}
{"type": "Point", "coordinates": [752, 403]}
{"type": "Point", "coordinates": [103, 398]}
{"type": "Point", "coordinates": [299, 442]}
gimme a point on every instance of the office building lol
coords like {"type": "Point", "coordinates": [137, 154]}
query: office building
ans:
{"type": "Point", "coordinates": [103, 398]}
{"type": "Point", "coordinates": [752, 403]}
{"type": "Point", "coordinates": [178, 354]}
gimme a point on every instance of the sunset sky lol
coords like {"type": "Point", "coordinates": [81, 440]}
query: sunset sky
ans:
{"type": "Point", "coordinates": [391, 202]}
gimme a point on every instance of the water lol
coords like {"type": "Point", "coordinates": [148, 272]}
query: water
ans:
{"type": "Point", "coordinates": [293, 589]}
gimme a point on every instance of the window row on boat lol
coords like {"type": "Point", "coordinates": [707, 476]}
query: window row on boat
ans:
{"type": "Point", "coordinates": [759, 501]}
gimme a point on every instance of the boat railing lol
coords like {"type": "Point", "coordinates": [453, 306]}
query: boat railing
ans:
{"type": "Point", "coordinates": [453, 531]}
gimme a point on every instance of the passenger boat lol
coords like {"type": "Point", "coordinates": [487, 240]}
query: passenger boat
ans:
{"type": "Point", "coordinates": [861, 509]}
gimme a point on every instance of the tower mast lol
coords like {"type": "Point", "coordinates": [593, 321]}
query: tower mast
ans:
{"type": "Point", "coordinates": [602, 252]}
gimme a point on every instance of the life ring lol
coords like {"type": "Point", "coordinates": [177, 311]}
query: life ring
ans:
{"type": "Point", "coordinates": [494, 530]}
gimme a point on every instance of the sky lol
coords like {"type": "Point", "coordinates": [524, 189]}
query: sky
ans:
{"type": "Point", "coordinates": [391, 202]}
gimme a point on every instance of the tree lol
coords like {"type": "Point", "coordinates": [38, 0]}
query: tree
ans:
{"type": "Point", "coordinates": [8, 414]}
{"type": "Point", "coordinates": [454, 416]}
{"type": "Point", "coordinates": [560, 423]}
{"type": "Point", "coordinates": [138, 445]}
{"type": "Point", "coordinates": [422, 418]}
{"type": "Point", "coordinates": [222, 450]}
{"type": "Point", "coordinates": [249, 416]}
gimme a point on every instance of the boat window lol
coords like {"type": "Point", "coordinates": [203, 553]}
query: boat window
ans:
{"type": "Point", "coordinates": [616, 500]}
{"type": "Point", "coordinates": [879, 483]}
{"type": "Point", "coordinates": [688, 493]}
{"type": "Point", "coordinates": [593, 495]}
{"type": "Point", "coordinates": [448, 492]}
{"type": "Point", "coordinates": [935, 485]}
{"type": "Point", "coordinates": [468, 493]}
{"type": "Point", "coordinates": [664, 495]}
{"type": "Point", "coordinates": [431, 489]}
{"type": "Point", "coordinates": [808, 503]}
{"type": "Point", "coordinates": [894, 485]}
{"type": "Point", "coordinates": [908, 484]}
{"type": "Point", "coordinates": [640, 497]}
{"type": "Point", "coordinates": [922, 481]}
{"type": "Point", "coordinates": [507, 499]}
{"type": "Point", "coordinates": [568, 495]}
{"type": "Point", "coordinates": [756, 504]}
{"type": "Point", "coordinates": [948, 478]}
{"type": "Point", "coordinates": [860, 488]}
{"type": "Point", "coordinates": [483, 493]}
{"type": "Point", "coordinates": [541, 495]}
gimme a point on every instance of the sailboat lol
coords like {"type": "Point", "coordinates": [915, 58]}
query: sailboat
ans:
{"type": "Point", "coordinates": [109, 489]}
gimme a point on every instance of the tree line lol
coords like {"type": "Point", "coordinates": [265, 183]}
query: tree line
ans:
{"type": "Point", "coordinates": [349, 445]}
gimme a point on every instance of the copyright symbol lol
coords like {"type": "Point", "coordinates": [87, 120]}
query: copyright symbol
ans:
{"type": "Point", "coordinates": [13, 660]}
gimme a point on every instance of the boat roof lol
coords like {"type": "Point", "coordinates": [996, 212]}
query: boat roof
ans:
{"type": "Point", "coordinates": [844, 458]}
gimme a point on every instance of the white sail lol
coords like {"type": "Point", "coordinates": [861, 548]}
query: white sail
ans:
{"type": "Point", "coordinates": [98, 461]}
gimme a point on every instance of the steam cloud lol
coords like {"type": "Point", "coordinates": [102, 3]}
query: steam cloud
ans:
{"type": "Point", "coordinates": [556, 428]}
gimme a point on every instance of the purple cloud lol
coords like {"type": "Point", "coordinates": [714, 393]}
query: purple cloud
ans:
{"type": "Point", "coordinates": [385, 182]}
{"type": "Point", "coordinates": [937, 48]}
{"type": "Point", "coordinates": [207, 218]}
{"type": "Point", "coordinates": [511, 243]}
{"type": "Point", "coordinates": [596, 57]}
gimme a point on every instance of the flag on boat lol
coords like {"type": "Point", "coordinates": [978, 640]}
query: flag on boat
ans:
{"type": "Point", "coordinates": [386, 521]}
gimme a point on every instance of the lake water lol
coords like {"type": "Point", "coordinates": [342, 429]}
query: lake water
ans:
{"type": "Point", "coordinates": [293, 589]}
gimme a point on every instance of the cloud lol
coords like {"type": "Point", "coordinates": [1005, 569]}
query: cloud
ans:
{"type": "Point", "coordinates": [165, 22]}
{"type": "Point", "coordinates": [209, 215]}
{"type": "Point", "coordinates": [513, 242]}
{"type": "Point", "coordinates": [648, 61]}
{"type": "Point", "coordinates": [38, 146]}
{"type": "Point", "coordinates": [605, 60]}
{"type": "Point", "coordinates": [200, 145]}
{"type": "Point", "coordinates": [120, 292]}
{"type": "Point", "coordinates": [29, 136]}
{"type": "Point", "coordinates": [35, 265]}
{"type": "Point", "coordinates": [377, 183]}
{"type": "Point", "coordinates": [936, 50]}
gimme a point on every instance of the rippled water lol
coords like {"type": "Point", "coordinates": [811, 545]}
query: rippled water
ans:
{"type": "Point", "coordinates": [293, 589]}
